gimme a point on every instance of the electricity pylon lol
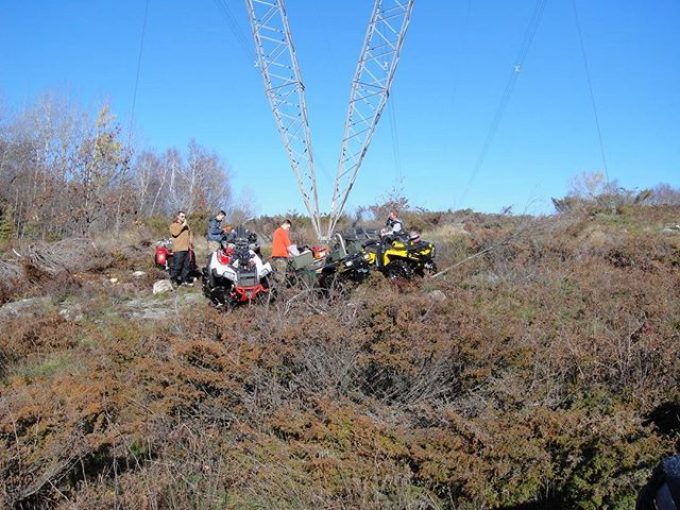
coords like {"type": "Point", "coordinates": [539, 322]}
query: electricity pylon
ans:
{"type": "Point", "coordinates": [283, 85]}
{"type": "Point", "coordinates": [369, 93]}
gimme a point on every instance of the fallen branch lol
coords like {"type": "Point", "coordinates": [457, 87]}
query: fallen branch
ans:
{"type": "Point", "coordinates": [73, 255]}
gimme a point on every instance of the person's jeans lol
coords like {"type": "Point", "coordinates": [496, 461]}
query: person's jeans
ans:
{"type": "Point", "coordinates": [279, 265]}
{"type": "Point", "coordinates": [180, 266]}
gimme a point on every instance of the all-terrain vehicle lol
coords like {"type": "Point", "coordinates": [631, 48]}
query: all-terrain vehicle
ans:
{"type": "Point", "coordinates": [303, 270]}
{"type": "Point", "coordinates": [235, 273]}
{"type": "Point", "coordinates": [328, 268]}
{"type": "Point", "coordinates": [346, 265]}
{"type": "Point", "coordinates": [401, 256]}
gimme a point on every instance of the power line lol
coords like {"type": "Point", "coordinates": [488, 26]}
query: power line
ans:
{"type": "Point", "coordinates": [236, 29]}
{"type": "Point", "coordinates": [527, 40]}
{"type": "Point", "coordinates": [590, 89]}
{"type": "Point", "coordinates": [139, 67]}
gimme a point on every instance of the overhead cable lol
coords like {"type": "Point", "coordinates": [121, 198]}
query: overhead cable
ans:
{"type": "Point", "coordinates": [139, 67]}
{"type": "Point", "coordinates": [242, 39]}
{"type": "Point", "coordinates": [527, 40]}
{"type": "Point", "coordinates": [590, 89]}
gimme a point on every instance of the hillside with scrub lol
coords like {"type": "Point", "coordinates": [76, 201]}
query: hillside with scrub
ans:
{"type": "Point", "coordinates": [539, 370]}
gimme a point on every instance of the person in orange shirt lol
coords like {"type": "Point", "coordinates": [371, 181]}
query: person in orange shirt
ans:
{"type": "Point", "coordinates": [281, 246]}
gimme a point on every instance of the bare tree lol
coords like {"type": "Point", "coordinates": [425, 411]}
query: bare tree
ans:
{"type": "Point", "coordinates": [101, 165]}
{"type": "Point", "coordinates": [665, 194]}
{"type": "Point", "coordinates": [63, 173]}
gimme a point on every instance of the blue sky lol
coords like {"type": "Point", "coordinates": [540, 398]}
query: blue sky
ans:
{"type": "Point", "coordinates": [198, 80]}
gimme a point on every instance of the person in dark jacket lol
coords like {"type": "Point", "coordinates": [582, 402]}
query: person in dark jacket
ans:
{"type": "Point", "coordinates": [215, 231]}
{"type": "Point", "coordinates": [394, 228]}
{"type": "Point", "coordinates": [662, 491]}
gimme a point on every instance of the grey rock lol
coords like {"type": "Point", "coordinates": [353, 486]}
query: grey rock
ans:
{"type": "Point", "coordinates": [72, 313]}
{"type": "Point", "coordinates": [32, 307]}
{"type": "Point", "coordinates": [149, 308]}
{"type": "Point", "coordinates": [162, 286]}
{"type": "Point", "coordinates": [437, 295]}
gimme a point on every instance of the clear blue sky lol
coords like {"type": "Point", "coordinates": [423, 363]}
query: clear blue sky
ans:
{"type": "Point", "coordinates": [198, 80]}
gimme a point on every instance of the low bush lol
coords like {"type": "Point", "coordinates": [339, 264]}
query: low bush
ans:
{"type": "Point", "coordinates": [546, 378]}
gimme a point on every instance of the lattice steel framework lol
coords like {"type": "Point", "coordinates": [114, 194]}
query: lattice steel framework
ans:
{"type": "Point", "coordinates": [370, 91]}
{"type": "Point", "coordinates": [283, 85]}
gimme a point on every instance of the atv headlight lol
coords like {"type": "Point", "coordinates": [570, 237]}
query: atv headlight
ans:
{"type": "Point", "coordinates": [349, 263]}
{"type": "Point", "coordinates": [367, 256]}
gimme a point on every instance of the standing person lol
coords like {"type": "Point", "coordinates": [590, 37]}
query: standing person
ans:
{"type": "Point", "coordinates": [182, 240]}
{"type": "Point", "coordinates": [215, 231]}
{"type": "Point", "coordinates": [281, 249]}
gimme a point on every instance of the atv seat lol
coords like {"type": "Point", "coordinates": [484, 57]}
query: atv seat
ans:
{"type": "Point", "coordinates": [360, 234]}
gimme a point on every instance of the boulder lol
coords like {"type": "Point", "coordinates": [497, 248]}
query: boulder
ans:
{"type": "Point", "coordinates": [162, 286]}
{"type": "Point", "coordinates": [72, 313]}
{"type": "Point", "coordinates": [437, 296]}
{"type": "Point", "coordinates": [28, 308]}
{"type": "Point", "coordinates": [148, 308]}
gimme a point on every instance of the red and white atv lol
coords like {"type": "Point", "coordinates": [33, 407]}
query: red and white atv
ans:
{"type": "Point", "coordinates": [235, 273]}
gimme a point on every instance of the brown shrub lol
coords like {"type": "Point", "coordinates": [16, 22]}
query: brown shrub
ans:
{"type": "Point", "coordinates": [540, 379]}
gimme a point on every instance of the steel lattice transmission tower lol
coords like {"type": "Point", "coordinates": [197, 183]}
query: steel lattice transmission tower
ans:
{"type": "Point", "coordinates": [278, 64]}
{"type": "Point", "coordinates": [370, 90]}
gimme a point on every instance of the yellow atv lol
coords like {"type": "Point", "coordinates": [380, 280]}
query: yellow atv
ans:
{"type": "Point", "coordinates": [401, 257]}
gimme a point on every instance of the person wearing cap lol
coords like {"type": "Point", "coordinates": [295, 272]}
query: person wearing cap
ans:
{"type": "Point", "coordinates": [215, 231]}
{"type": "Point", "coordinates": [662, 491]}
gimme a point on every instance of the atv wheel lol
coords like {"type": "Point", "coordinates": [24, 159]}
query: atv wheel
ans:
{"type": "Point", "coordinates": [397, 269]}
{"type": "Point", "coordinates": [221, 299]}
{"type": "Point", "coordinates": [205, 283]}
{"type": "Point", "coordinates": [270, 295]}
{"type": "Point", "coordinates": [334, 285]}
{"type": "Point", "coordinates": [429, 268]}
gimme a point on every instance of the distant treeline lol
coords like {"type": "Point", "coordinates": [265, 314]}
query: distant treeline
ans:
{"type": "Point", "coordinates": [63, 173]}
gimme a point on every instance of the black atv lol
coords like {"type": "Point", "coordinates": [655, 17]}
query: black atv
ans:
{"type": "Point", "coordinates": [346, 266]}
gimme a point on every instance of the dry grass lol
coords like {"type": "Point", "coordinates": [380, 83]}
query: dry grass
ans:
{"type": "Point", "coordinates": [547, 379]}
